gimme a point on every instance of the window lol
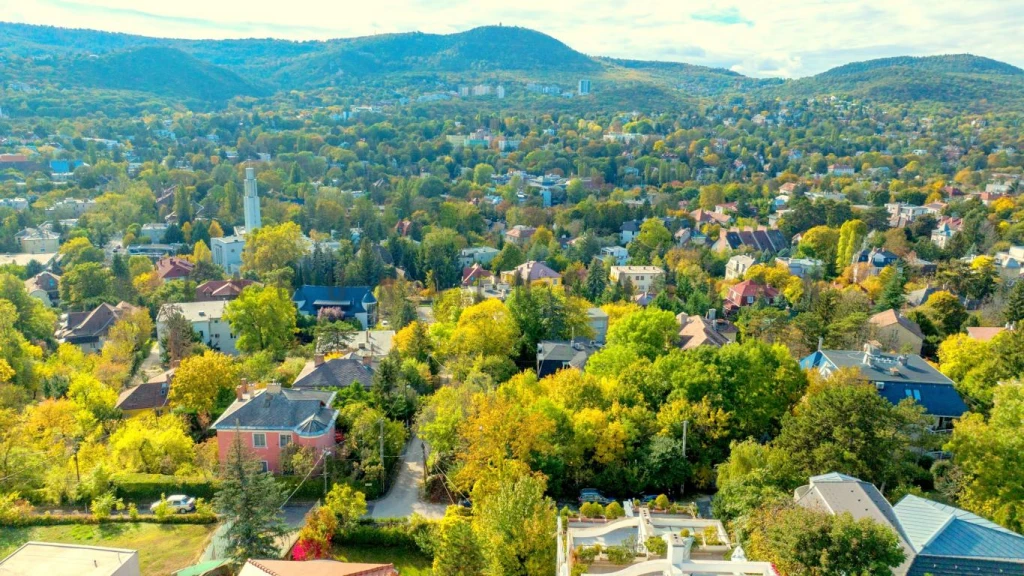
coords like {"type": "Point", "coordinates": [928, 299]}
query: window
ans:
{"type": "Point", "coordinates": [284, 440]}
{"type": "Point", "coordinates": [264, 466]}
{"type": "Point", "coordinates": [259, 440]}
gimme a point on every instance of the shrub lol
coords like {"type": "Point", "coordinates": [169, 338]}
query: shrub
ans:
{"type": "Point", "coordinates": [424, 532]}
{"type": "Point", "coordinates": [591, 510]}
{"type": "Point", "coordinates": [619, 555]}
{"type": "Point", "coordinates": [133, 511]}
{"type": "Point", "coordinates": [614, 510]}
{"type": "Point", "coordinates": [656, 546]}
{"type": "Point", "coordinates": [163, 509]}
{"type": "Point", "coordinates": [205, 508]}
{"type": "Point", "coordinates": [13, 509]}
{"type": "Point", "coordinates": [102, 506]}
{"type": "Point", "coordinates": [685, 532]}
{"type": "Point", "coordinates": [661, 502]}
{"type": "Point", "coordinates": [710, 535]}
{"type": "Point", "coordinates": [149, 487]}
{"type": "Point", "coordinates": [588, 554]}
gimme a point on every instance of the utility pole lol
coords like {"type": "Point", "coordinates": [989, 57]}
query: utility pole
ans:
{"type": "Point", "coordinates": [383, 467]}
{"type": "Point", "coordinates": [326, 454]}
{"type": "Point", "coordinates": [686, 424]}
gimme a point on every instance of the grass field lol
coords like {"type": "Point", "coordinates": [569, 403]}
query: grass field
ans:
{"type": "Point", "coordinates": [407, 562]}
{"type": "Point", "coordinates": [163, 548]}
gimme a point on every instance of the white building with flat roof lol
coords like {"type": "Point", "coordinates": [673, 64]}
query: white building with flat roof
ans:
{"type": "Point", "coordinates": [642, 278]}
{"type": "Point", "coordinates": [227, 252]}
{"type": "Point", "coordinates": [207, 320]}
{"type": "Point", "coordinates": [52, 559]}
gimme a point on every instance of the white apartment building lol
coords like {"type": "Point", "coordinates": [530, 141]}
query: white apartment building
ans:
{"type": "Point", "coordinates": [207, 320]}
{"type": "Point", "coordinates": [642, 278]}
{"type": "Point", "coordinates": [227, 252]}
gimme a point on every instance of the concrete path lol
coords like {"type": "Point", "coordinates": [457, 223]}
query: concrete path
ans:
{"type": "Point", "coordinates": [404, 497]}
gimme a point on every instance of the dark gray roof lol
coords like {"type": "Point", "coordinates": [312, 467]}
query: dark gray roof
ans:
{"type": "Point", "coordinates": [336, 373]}
{"type": "Point", "coordinates": [144, 396]}
{"type": "Point", "coordinates": [575, 353]}
{"type": "Point", "coordinates": [304, 411]}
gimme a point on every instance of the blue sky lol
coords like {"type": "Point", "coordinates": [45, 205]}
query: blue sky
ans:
{"type": "Point", "coordinates": [788, 38]}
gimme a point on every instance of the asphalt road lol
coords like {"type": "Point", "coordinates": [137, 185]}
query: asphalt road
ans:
{"type": "Point", "coordinates": [404, 497]}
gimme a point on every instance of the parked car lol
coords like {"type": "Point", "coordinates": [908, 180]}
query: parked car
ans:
{"type": "Point", "coordinates": [648, 498]}
{"type": "Point", "coordinates": [591, 495]}
{"type": "Point", "coordinates": [179, 503]}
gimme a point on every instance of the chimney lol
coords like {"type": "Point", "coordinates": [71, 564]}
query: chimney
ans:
{"type": "Point", "coordinates": [821, 342]}
{"type": "Point", "coordinates": [245, 389]}
{"type": "Point", "coordinates": [318, 359]}
{"type": "Point", "coordinates": [239, 392]}
{"type": "Point", "coordinates": [711, 314]}
{"type": "Point", "coordinates": [367, 360]}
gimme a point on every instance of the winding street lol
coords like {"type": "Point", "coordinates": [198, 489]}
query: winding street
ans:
{"type": "Point", "coordinates": [404, 497]}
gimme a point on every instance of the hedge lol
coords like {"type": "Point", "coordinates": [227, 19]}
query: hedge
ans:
{"type": "Point", "coordinates": [150, 487]}
{"type": "Point", "coordinates": [66, 519]}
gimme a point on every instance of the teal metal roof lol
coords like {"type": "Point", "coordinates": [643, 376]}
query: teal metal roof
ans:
{"type": "Point", "coordinates": [938, 530]}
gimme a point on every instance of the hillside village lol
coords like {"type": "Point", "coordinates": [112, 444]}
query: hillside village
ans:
{"type": "Point", "coordinates": [439, 333]}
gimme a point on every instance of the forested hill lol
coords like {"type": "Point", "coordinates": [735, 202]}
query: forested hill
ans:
{"type": "Point", "coordinates": [961, 80]}
{"type": "Point", "coordinates": [213, 71]}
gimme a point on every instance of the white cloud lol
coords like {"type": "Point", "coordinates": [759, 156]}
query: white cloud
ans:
{"type": "Point", "coordinates": [755, 37]}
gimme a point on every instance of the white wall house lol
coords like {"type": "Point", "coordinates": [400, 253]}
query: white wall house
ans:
{"type": "Point", "coordinates": [482, 255]}
{"type": "Point", "coordinates": [207, 320]}
{"type": "Point", "coordinates": [642, 278]}
{"type": "Point", "coordinates": [227, 252]}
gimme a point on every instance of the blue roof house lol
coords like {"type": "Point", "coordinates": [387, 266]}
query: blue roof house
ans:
{"type": "Point", "coordinates": [355, 302]}
{"type": "Point", "coordinates": [896, 377]}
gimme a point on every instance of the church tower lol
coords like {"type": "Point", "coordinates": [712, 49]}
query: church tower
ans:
{"type": "Point", "coordinates": [252, 201]}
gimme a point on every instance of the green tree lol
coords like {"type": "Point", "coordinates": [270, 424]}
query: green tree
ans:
{"type": "Point", "coordinates": [86, 286]}
{"type": "Point", "coordinates": [272, 248]}
{"type": "Point", "coordinates": [514, 523]}
{"type": "Point", "coordinates": [799, 540]}
{"type": "Point", "coordinates": [893, 294]}
{"type": "Point", "coordinates": [250, 503]}
{"type": "Point", "coordinates": [821, 242]}
{"type": "Point", "coordinates": [199, 380]}
{"type": "Point", "coordinates": [482, 174]}
{"type": "Point", "coordinates": [457, 551]}
{"type": "Point", "coordinates": [509, 257]}
{"type": "Point", "coordinates": [652, 240]}
{"type": "Point", "coordinates": [1015, 304]}
{"type": "Point", "coordinates": [263, 317]}
{"type": "Point", "coordinates": [347, 504]}
{"type": "Point", "coordinates": [650, 332]}
{"type": "Point", "coordinates": [851, 236]}
{"type": "Point", "coordinates": [439, 255]}
{"type": "Point", "coordinates": [34, 320]}
{"type": "Point", "coordinates": [946, 311]}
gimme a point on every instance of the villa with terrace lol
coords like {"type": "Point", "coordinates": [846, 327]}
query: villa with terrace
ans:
{"type": "Point", "coordinates": [624, 547]}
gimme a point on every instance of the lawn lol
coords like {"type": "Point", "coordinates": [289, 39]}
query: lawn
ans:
{"type": "Point", "coordinates": [407, 562]}
{"type": "Point", "coordinates": [163, 548]}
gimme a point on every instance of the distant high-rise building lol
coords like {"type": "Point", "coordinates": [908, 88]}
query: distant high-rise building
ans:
{"type": "Point", "coordinates": [252, 201]}
{"type": "Point", "coordinates": [501, 91]}
{"type": "Point", "coordinates": [584, 87]}
{"type": "Point", "coordinates": [463, 91]}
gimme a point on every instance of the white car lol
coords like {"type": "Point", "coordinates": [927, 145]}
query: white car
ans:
{"type": "Point", "coordinates": [180, 503]}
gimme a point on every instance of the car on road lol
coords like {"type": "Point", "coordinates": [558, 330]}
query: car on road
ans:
{"type": "Point", "coordinates": [592, 495]}
{"type": "Point", "coordinates": [179, 503]}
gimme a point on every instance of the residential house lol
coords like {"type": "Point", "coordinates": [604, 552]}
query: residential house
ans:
{"type": "Point", "coordinates": [146, 398]}
{"type": "Point", "coordinates": [702, 552]}
{"type": "Point", "coordinates": [475, 274]}
{"type": "Point", "coordinates": [616, 254]}
{"type": "Point", "coordinates": [945, 230]}
{"type": "Point", "coordinates": [896, 332]}
{"type": "Point", "coordinates": [17, 203]}
{"type": "Point", "coordinates": [701, 216]}
{"type": "Point", "coordinates": [629, 230]}
{"type": "Point", "coordinates": [352, 302]}
{"type": "Point", "coordinates": [227, 252]}
{"type": "Point", "coordinates": [531, 272]}
{"type": "Point", "coordinates": [644, 299]}
{"type": "Point", "coordinates": [268, 421]}
{"type": "Point", "coordinates": [88, 329]}
{"type": "Point", "coordinates": [748, 292]}
{"type": "Point", "coordinates": [53, 559]}
{"type": "Point", "coordinates": [901, 214]}
{"type": "Point", "coordinates": [222, 289]}
{"type": "Point", "coordinates": [38, 241]}
{"type": "Point", "coordinates": [896, 377]}
{"type": "Point", "coordinates": [1010, 263]}
{"type": "Point", "coordinates": [918, 297]}
{"type": "Point", "coordinates": [555, 355]}
{"type": "Point", "coordinates": [44, 286]}
{"type": "Point", "coordinates": [173, 268]}
{"type": "Point", "coordinates": [641, 278]}
{"type": "Point", "coordinates": [801, 267]}
{"type": "Point", "coordinates": [736, 267]}
{"type": "Point", "coordinates": [877, 259]}
{"type": "Point", "coordinates": [478, 255]}
{"type": "Point", "coordinates": [597, 320]}
{"type": "Point", "coordinates": [322, 567]}
{"type": "Point", "coordinates": [154, 231]}
{"type": "Point", "coordinates": [840, 170]}
{"type": "Point", "coordinates": [984, 333]}
{"type": "Point", "coordinates": [936, 539]}
{"type": "Point", "coordinates": [789, 188]}
{"type": "Point", "coordinates": [207, 319]}
{"type": "Point", "coordinates": [519, 234]}
{"type": "Point", "coordinates": [760, 239]}
{"type": "Point", "coordinates": [334, 373]}
{"type": "Point", "coordinates": [696, 331]}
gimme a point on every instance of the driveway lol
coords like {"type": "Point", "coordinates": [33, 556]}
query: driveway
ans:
{"type": "Point", "coordinates": [404, 497]}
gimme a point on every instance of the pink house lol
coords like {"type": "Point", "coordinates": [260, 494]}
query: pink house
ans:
{"type": "Point", "coordinates": [270, 420]}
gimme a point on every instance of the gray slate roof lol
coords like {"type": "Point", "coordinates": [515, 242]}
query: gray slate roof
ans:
{"type": "Point", "coordinates": [304, 411]}
{"type": "Point", "coordinates": [336, 373]}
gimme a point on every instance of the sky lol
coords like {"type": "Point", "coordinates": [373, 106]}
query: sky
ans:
{"type": "Point", "coordinates": [787, 38]}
